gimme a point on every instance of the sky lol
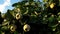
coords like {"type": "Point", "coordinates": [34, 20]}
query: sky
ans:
{"type": "Point", "coordinates": [6, 4]}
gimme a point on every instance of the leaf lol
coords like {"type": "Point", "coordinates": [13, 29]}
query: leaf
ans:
{"type": "Point", "coordinates": [4, 28]}
{"type": "Point", "coordinates": [45, 0]}
{"type": "Point", "coordinates": [58, 18]}
{"type": "Point", "coordinates": [5, 23]}
{"type": "Point", "coordinates": [15, 32]}
{"type": "Point", "coordinates": [52, 21]}
{"type": "Point", "coordinates": [55, 25]}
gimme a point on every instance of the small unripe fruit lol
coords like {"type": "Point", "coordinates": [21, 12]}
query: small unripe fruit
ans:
{"type": "Point", "coordinates": [52, 5]}
{"type": "Point", "coordinates": [13, 28]}
{"type": "Point", "coordinates": [17, 16]}
{"type": "Point", "coordinates": [26, 27]}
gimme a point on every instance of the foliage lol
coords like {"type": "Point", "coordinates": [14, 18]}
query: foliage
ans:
{"type": "Point", "coordinates": [40, 17]}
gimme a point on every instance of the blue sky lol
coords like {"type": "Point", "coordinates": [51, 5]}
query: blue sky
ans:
{"type": "Point", "coordinates": [6, 4]}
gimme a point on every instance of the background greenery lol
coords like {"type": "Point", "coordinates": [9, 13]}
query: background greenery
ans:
{"type": "Point", "coordinates": [32, 17]}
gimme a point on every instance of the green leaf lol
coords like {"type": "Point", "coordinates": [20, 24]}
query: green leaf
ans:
{"type": "Point", "coordinates": [55, 25]}
{"type": "Point", "coordinates": [58, 18]}
{"type": "Point", "coordinates": [15, 32]}
{"type": "Point", "coordinates": [45, 0]}
{"type": "Point", "coordinates": [51, 19]}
